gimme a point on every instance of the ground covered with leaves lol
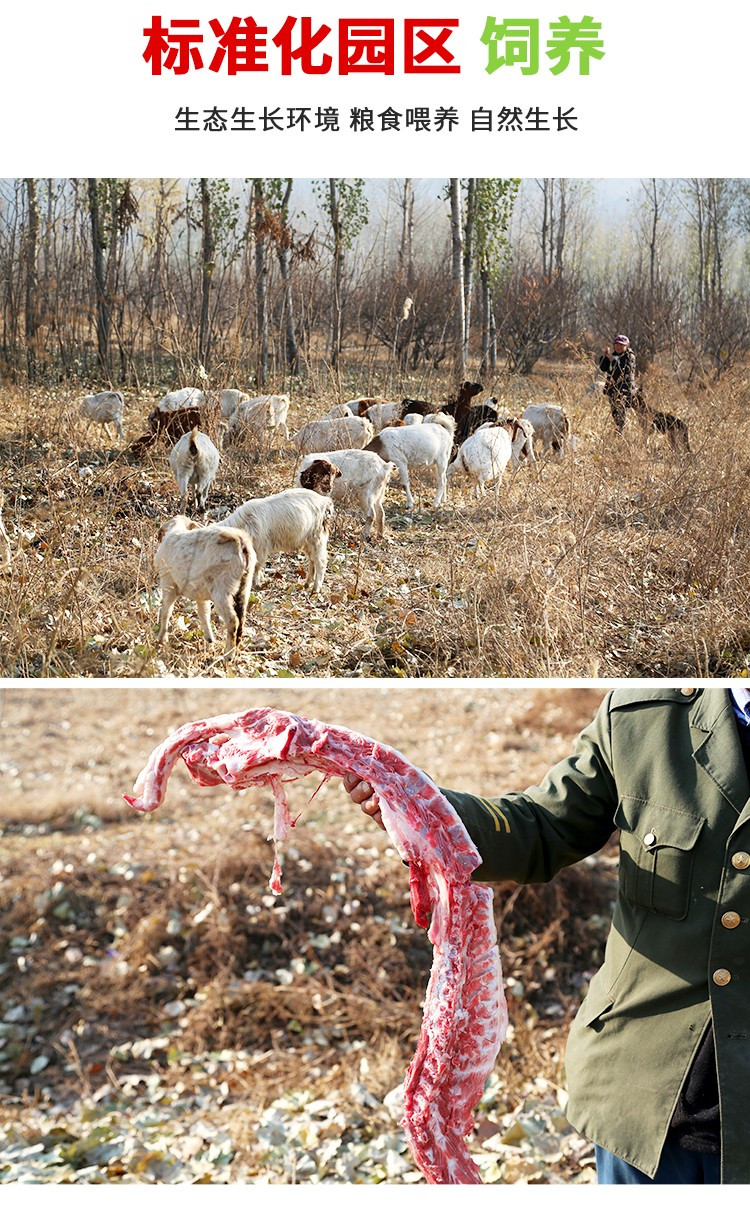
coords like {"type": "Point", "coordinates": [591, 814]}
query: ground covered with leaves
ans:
{"type": "Point", "coordinates": [164, 1018]}
{"type": "Point", "coordinates": [625, 559]}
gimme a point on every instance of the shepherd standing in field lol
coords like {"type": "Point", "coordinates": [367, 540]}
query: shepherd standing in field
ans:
{"type": "Point", "coordinates": [618, 367]}
{"type": "Point", "coordinates": [658, 1059]}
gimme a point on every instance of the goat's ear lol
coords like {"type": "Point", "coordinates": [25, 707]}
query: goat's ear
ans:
{"type": "Point", "coordinates": [190, 525]}
{"type": "Point", "coordinates": [163, 529]}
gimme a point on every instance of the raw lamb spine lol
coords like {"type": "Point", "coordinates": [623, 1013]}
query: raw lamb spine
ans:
{"type": "Point", "coordinates": [464, 1016]}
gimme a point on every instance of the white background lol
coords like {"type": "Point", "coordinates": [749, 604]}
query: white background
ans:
{"type": "Point", "coordinates": [668, 99]}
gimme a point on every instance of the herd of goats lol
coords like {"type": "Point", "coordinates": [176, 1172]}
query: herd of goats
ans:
{"type": "Point", "coordinates": [350, 456]}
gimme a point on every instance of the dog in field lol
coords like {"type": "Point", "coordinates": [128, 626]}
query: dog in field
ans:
{"type": "Point", "coordinates": [675, 428]}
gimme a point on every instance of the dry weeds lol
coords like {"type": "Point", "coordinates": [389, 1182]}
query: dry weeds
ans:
{"type": "Point", "coordinates": [139, 950]}
{"type": "Point", "coordinates": [623, 560]}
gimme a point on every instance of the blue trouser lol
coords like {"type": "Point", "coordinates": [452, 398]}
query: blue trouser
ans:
{"type": "Point", "coordinates": [676, 1166]}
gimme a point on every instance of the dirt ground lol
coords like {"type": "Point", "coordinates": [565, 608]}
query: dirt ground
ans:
{"type": "Point", "coordinates": [166, 1019]}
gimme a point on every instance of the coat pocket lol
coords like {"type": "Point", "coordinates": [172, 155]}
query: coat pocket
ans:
{"type": "Point", "coordinates": [657, 855]}
{"type": "Point", "coordinates": [597, 1002]}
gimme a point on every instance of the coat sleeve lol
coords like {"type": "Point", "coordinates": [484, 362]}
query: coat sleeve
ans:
{"type": "Point", "coordinates": [631, 372]}
{"type": "Point", "coordinates": [528, 836]}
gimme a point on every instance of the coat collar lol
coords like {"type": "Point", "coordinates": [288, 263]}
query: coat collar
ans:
{"type": "Point", "coordinates": [717, 747]}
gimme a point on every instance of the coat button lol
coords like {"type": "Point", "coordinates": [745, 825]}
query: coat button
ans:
{"type": "Point", "coordinates": [730, 920]}
{"type": "Point", "coordinates": [741, 860]}
{"type": "Point", "coordinates": [649, 840]}
{"type": "Point", "coordinates": [722, 977]}
{"type": "Point", "coordinates": [686, 690]}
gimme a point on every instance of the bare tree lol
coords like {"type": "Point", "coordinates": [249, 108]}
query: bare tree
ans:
{"type": "Point", "coordinates": [103, 302]}
{"type": "Point", "coordinates": [406, 248]}
{"type": "Point", "coordinates": [32, 303]}
{"type": "Point", "coordinates": [283, 252]}
{"type": "Point", "coordinates": [457, 280]}
{"type": "Point", "coordinates": [207, 269]}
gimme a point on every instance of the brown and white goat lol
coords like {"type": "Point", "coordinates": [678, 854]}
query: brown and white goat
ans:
{"type": "Point", "coordinates": [362, 480]}
{"type": "Point", "coordinates": [318, 474]}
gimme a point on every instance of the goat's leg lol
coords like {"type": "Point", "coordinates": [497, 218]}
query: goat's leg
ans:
{"type": "Point", "coordinates": [317, 556]}
{"type": "Point", "coordinates": [240, 603]}
{"type": "Point", "coordinates": [403, 471]}
{"type": "Point", "coordinates": [442, 482]}
{"type": "Point", "coordinates": [225, 609]}
{"type": "Point", "coordinates": [376, 519]}
{"type": "Point", "coordinates": [203, 606]}
{"type": "Point", "coordinates": [120, 430]}
{"type": "Point", "coordinates": [169, 594]}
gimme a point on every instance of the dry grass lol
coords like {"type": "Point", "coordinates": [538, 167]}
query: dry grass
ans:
{"type": "Point", "coordinates": [101, 920]}
{"type": "Point", "coordinates": [623, 560]}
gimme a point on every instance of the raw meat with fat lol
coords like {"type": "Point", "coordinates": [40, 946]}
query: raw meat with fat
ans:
{"type": "Point", "coordinates": [465, 1016]}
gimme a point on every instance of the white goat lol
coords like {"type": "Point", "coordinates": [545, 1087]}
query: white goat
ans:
{"type": "Point", "coordinates": [360, 404]}
{"type": "Point", "coordinates": [181, 398]}
{"type": "Point", "coordinates": [484, 456]}
{"type": "Point", "coordinates": [5, 555]}
{"type": "Point", "coordinates": [194, 461]}
{"type": "Point", "coordinates": [521, 433]}
{"type": "Point", "coordinates": [338, 410]}
{"type": "Point", "coordinates": [412, 419]}
{"type": "Point", "coordinates": [363, 481]}
{"type": "Point", "coordinates": [210, 565]}
{"type": "Point", "coordinates": [228, 399]}
{"type": "Point", "coordinates": [444, 419]}
{"type": "Point", "coordinates": [551, 427]}
{"type": "Point", "coordinates": [105, 407]}
{"type": "Point", "coordinates": [332, 434]}
{"type": "Point", "coordinates": [296, 520]}
{"type": "Point", "coordinates": [260, 414]}
{"type": "Point", "coordinates": [382, 415]}
{"type": "Point", "coordinates": [411, 446]}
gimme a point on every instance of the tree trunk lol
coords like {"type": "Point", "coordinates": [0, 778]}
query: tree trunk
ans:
{"type": "Point", "coordinates": [653, 237]}
{"type": "Point", "coordinates": [546, 236]}
{"type": "Point", "coordinates": [406, 250]}
{"type": "Point", "coordinates": [103, 312]}
{"type": "Point", "coordinates": [457, 281]}
{"type": "Point", "coordinates": [32, 283]}
{"type": "Point", "coordinates": [562, 218]}
{"type": "Point", "coordinates": [207, 267]}
{"type": "Point", "coordinates": [468, 261]}
{"type": "Point", "coordinates": [283, 253]}
{"type": "Point", "coordinates": [338, 272]}
{"type": "Point", "coordinates": [261, 282]}
{"type": "Point", "coordinates": [701, 253]}
{"type": "Point", "coordinates": [488, 360]}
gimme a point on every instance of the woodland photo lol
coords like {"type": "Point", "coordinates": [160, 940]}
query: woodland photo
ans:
{"type": "Point", "coordinates": [482, 427]}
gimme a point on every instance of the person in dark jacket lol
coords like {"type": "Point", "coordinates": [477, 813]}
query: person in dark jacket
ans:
{"type": "Point", "coordinates": [658, 1058]}
{"type": "Point", "coordinates": [618, 367]}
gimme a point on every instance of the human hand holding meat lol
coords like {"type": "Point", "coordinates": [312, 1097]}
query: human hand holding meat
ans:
{"type": "Point", "coordinates": [364, 795]}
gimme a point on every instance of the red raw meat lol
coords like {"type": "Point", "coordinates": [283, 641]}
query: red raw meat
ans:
{"type": "Point", "coordinates": [465, 1016]}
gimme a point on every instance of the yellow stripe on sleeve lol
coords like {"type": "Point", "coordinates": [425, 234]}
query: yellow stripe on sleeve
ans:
{"type": "Point", "coordinates": [496, 814]}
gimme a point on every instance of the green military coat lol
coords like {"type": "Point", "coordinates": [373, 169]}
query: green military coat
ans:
{"type": "Point", "coordinates": [666, 768]}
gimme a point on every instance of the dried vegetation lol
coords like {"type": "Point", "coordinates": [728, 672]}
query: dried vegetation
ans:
{"type": "Point", "coordinates": [623, 560]}
{"type": "Point", "coordinates": [165, 1018]}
